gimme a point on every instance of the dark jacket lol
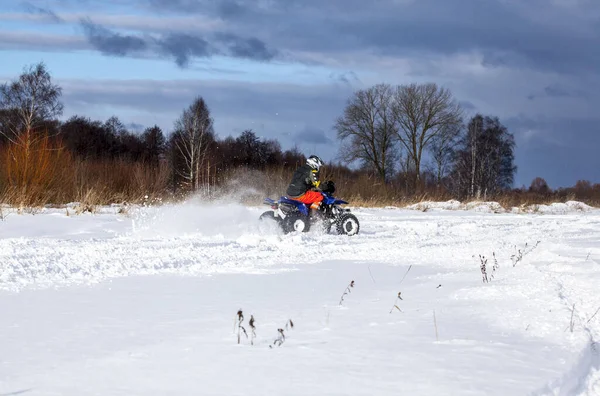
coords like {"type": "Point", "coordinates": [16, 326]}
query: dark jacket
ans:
{"type": "Point", "coordinates": [304, 179]}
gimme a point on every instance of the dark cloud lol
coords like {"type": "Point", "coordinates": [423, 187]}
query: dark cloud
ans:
{"type": "Point", "coordinates": [180, 46]}
{"type": "Point", "coordinates": [556, 91]}
{"type": "Point", "coordinates": [49, 14]}
{"type": "Point", "coordinates": [109, 42]}
{"type": "Point", "coordinates": [348, 78]}
{"type": "Point", "coordinates": [533, 35]}
{"type": "Point", "coordinates": [311, 135]}
{"type": "Point", "coordinates": [559, 91]}
{"type": "Point", "coordinates": [183, 47]}
{"type": "Point", "coordinates": [250, 48]}
{"type": "Point", "coordinates": [230, 9]}
{"type": "Point", "coordinates": [505, 33]}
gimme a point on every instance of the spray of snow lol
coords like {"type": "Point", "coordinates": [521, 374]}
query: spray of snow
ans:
{"type": "Point", "coordinates": [228, 211]}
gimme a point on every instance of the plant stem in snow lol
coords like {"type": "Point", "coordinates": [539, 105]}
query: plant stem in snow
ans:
{"type": "Point", "coordinates": [405, 274]}
{"type": "Point", "coordinates": [495, 266]}
{"type": "Point", "coordinates": [280, 339]}
{"type": "Point", "coordinates": [251, 323]}
{"type": "Point", "coordinates": [398, 297]}
{"type": "Point", "coordinates": [370, 273]}
{"type": "Point", "coordinates": [240, 318]}
{"type": "Point", "coordinates": [595, 313]}
{"type": "Point", "coordinates": [521, 253]}
{"type": "Point", "coordinates": [482, 266]}
{"type": "Point", "coordinates": [435, 325]}
{"type": "Point", "coordinates": [347, 291]}
{"type": "Point", "coordinates": [572, 313]}
{"type": "Point", "coordinates": [290, 323]}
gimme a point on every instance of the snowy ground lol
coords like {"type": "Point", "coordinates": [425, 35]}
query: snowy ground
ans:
{"type": "Point", "coordinates": [145, 303]}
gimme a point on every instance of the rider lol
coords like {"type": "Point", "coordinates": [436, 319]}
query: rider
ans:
{"type": "Point", "coordinates": [304, 186]}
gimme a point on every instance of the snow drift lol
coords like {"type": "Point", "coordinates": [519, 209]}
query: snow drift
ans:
{"type": "Point", "coordinates": [495, 207]}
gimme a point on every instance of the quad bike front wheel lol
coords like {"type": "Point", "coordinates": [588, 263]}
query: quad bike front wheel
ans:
{"type": "Point", "coordinates": [347, 224]}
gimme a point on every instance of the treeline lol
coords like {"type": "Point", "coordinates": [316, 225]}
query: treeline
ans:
{"type": "Point", "coordinates": [410, 142]}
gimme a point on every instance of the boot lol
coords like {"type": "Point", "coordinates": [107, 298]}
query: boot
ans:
{"type": "Point", "coordinates": [316, 210]}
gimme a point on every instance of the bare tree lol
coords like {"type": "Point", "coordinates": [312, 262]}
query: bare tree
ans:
{"type": "Point", "coordinates": [193, 134]}
{"type": "Point", "coordinates": [422, 112]}
{"type": "Point", "coordinates": [442, 151]}
{"type": "Point", "coordinates": [368, 130]}
{"type": "Point", "coordinates": [539, 186]}
{"type": "Point", "coordinates": [28, 102]}
{"type": "Point", "coordinates": [154, 145]}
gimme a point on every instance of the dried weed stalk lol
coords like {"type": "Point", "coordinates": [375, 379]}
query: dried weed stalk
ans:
{"type": "Point", "coordinates": [281, 335]}
{"type": "Point", "coordinates": [253, 328]}
{"type": "Point", "coordinates": [483, 267]}
{"type": "Point", "coordinates": [280, 338]}
{"type": "Point", "coordinates": [495, 266]}
{"type": "Point", "coordinates": [593, 316]}
{"type": "Point", "coordinates": [290, 323]}
{"type": "Point", "coordinates": [347, 291]}
{"type": "Point", "coordinates": [240, 319]}
{"type": "Point", "coordinates": [406, 273]}
{"type": "Point", "coordinates": [518, 256]}
{"type": "Point", "coordinates": [371, 274]}
{"type": "Point", "coordinates": [435, 325]}
{"type": "Point", "coordinates": [398, 297]}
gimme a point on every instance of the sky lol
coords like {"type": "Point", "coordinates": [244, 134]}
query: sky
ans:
{"type": "Point", "coordinates": [287, 68]}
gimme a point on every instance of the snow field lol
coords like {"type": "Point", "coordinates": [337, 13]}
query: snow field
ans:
{"type": "Point", "coordinates": [145, 304]}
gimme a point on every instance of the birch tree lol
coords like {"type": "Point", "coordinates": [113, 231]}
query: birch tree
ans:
{"type": "Point", "coordinates": [484, 163]}
{"type": "Point", "coordinates": [27, 107]}
{"type": "Point", "coordinates": [28, 102]}
{"type": "Point", "coordinates": [194, 133]}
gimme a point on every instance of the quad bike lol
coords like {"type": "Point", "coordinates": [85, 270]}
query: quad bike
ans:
{"type": "Point", "coordinates": [292, 215]}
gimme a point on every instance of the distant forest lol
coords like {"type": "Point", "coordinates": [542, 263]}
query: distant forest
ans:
{"type": "Point", "coordinates": [407, 143]}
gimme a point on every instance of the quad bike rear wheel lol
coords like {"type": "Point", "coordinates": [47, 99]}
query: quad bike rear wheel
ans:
{"type": "Point", "coordinates": [268, 215]}
{"type": "Point", "coordinates": [347, 224]}
{"type": "Point", "coordinates": [294, 222]}
{"type": "Point", "coordinates": [268, 218]}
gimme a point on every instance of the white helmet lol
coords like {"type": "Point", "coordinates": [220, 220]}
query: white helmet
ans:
{"type": "Point", "coordinates": [315, 162]}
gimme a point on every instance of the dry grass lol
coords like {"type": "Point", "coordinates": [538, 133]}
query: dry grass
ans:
{"type": "Point", "coordinates": [37, 172]}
